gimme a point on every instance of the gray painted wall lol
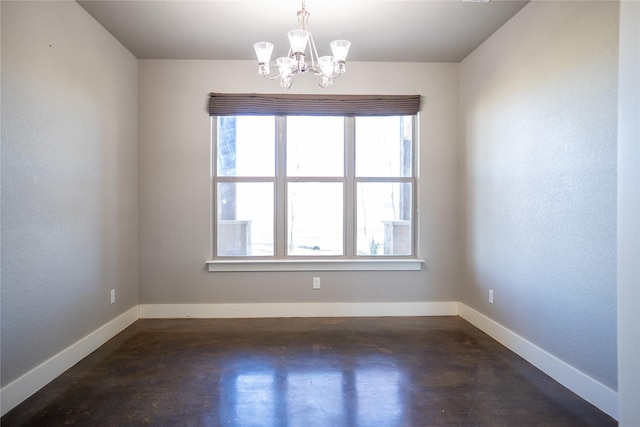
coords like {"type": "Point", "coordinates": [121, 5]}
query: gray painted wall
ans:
{"type": "Point", "coordinates": [69, 180]}
{"type": "Point", "coordinates": [538, 125]}
{"type": "Point", "coordinates": [175, 190]}
{"type": "Point", "coordinates": [629, 216]}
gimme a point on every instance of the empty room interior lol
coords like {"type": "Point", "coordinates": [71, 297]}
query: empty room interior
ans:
{"type": "Point", "coordinates": [144, 281]}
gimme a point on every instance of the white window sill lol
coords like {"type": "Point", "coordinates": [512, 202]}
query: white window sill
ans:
{"type": "Point", "coordinates": [315, 265]}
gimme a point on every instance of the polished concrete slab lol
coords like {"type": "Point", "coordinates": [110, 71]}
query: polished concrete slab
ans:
{"type": "Point", "coordinates": [409, 371]}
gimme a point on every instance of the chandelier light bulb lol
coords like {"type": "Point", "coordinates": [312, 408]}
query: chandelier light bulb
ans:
{"type": "Point", "coordinates": [340, 49]}
{"type": "Point", "coordinates": [298, 40]}
{"type": "Point", "coordinates": [285, 65]}
{"type": "Point", "coordinates": [263, 51]}
{"type": "Point", "coordinates": [327, 65]}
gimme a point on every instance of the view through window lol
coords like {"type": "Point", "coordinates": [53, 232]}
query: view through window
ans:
{"type": "Point", "coordinates": [314, 186]}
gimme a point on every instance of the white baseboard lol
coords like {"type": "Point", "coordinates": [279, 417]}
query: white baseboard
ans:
{"type": "Point", "coordinates": [586, 387]}
{"type": "Point", "coordinates": [581, 384]}
{"type": "Point", "coordinates": [160, 311]}
{"type": "Point", "coordinates": [19, 390]}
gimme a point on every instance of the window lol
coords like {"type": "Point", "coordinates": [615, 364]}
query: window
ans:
{"type": "Point", "coordinates": [314, 186]}
{"type": "Point", "coordinates": [344, 185]}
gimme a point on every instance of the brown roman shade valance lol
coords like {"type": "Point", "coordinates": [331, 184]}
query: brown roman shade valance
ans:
{"type": "Point", "coordinates": [229, 104]}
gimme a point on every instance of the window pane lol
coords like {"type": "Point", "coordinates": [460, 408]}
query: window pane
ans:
{"type": "Point", "coordinates": [315, 219]}
{"type": "Point", "coordinates": [315, 146]}
{"type": "Point", "coordinates": [246, 146]}
{"type": "Point", "coordinates": [384, 218]}
{"type": "Point", "coordinates": [245, 219]}
{"type": "Point", "coordinates": [384, 146]}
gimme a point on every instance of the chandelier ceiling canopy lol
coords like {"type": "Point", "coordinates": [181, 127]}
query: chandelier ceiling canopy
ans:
{"type": "Point", "coordinates": [324, 68]}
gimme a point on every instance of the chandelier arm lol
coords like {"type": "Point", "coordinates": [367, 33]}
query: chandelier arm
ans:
{"type": "Point", "coordinates": [266, 76]}
{"type": "Point", "coordinates": [323, 81]}
{"type": "Point", "coordinates": [279, 75]}
{"type": "Point", "coordinates": [335, 74]}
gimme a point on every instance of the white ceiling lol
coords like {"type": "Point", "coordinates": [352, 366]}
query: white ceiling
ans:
{"type": "Point", "coordinates": [387, 30]}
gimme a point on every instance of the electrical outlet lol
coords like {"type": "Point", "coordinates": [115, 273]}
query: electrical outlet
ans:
{"type": "Point", "coordinates": [113, 296]}
{"type": "Point", "coordinates": [490, 296]}
{"type": "Point", "coordinates": [316, 283]}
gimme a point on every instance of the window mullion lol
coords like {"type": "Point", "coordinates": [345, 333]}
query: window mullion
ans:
{"type": "Point", "coordinates": [280, 202]}
{"type": "Point", "coordinates": [350, 187]}
{"type": "Point", "coordinates": [415, 199]}
{"type": "Point", "coordinates": [213, 172]}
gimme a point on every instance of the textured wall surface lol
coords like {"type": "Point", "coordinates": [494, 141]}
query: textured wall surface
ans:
{"type": "Point", "coordinates": [629, 216]}
{"type": "Point", "coordinates": [175, 194]}
{"type": "Point", "coordinates": [69, 180]}
{"type": "Point", "coordinates": [538, 128]}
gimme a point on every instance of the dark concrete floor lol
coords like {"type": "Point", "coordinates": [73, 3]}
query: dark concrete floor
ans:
{"type": "Point", "coordinates": [413, 371]}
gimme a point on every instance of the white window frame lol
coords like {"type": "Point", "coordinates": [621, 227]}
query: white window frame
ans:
{"type": "Point", "coordinates": [350, 261]}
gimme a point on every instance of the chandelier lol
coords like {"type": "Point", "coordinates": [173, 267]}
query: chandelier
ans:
{"type": "Point", "coordinates": [324, 68]}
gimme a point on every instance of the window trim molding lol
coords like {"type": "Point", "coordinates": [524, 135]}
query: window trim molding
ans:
{"type": "Point", "coordinates": [266, 265]}
{"type": "Point", "coordinates": [347, 106]}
